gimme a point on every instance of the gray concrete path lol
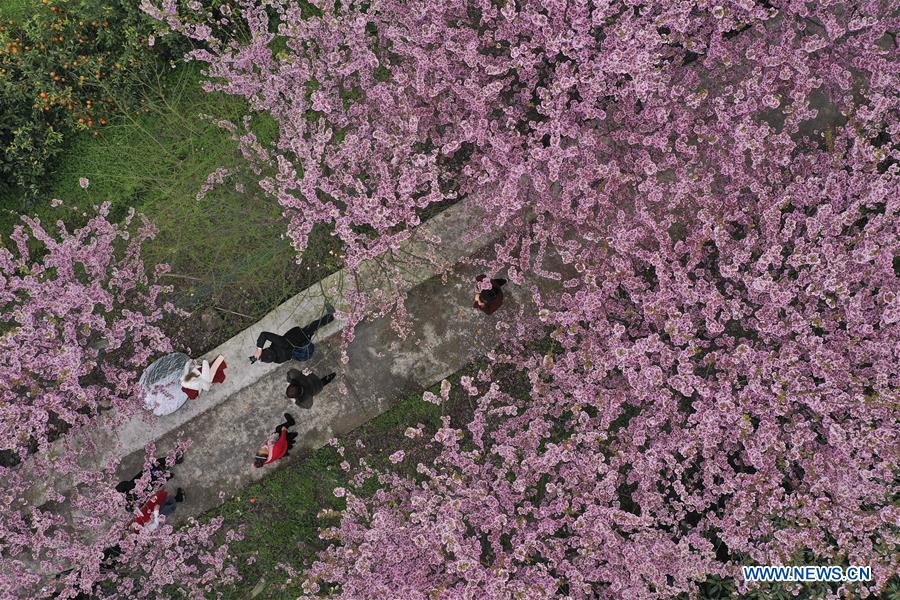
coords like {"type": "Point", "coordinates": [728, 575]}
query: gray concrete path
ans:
{"type": "Point", "coordinates": [431, 249]}
{"type": "Point", "coordinates": [382, 370]}
{"type": "Point", "coordinates": [227, 424]}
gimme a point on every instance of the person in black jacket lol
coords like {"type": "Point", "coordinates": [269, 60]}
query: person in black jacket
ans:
{"type": "Point", "coordinates": [281, 347]}
{"type": "Point", "coordinates": [489, 300]}
{"type": "Point", "coordinates": [301, 388]}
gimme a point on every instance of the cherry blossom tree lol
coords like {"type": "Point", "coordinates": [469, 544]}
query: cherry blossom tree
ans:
{"type": "Point", "coordinates": [717, 402]}
{"type": "Point", "coordinates": [712, 185]}
{"type": "Point", "coordinates": [81, 319]}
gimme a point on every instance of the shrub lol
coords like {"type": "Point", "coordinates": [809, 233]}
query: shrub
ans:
{"type": "Point", "coordinates": [68, 67]}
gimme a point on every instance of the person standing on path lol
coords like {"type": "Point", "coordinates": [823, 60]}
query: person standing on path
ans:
{"type": "Point", "coordinates": [488, 301]}
{"type": "Point", "coordinates": [301, 388]}
{"type": "Point", "coordinates": [296, 343]}
{"type": "Point", "coordinates": [270, 452]}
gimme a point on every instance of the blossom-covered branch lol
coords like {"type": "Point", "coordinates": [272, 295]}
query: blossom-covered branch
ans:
{"type": "Point", "coordinates": [718, 181]}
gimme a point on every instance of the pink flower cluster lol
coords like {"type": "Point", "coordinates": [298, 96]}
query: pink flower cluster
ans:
{"type": "Point", "coordinates": [81, 319]}
{"type": "Point", "coordinates": [708, 196]}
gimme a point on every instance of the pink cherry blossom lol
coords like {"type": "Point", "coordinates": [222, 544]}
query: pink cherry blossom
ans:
{"type": "Point", "coordinates": [696, 204]}
{"type": "Point", "coordinates": [82, 320]}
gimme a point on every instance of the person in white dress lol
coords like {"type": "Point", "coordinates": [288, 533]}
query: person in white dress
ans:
{"type": "Point", "coordinates": [161, 384]}
{"type": "Point", "coordinates": [200, 377]}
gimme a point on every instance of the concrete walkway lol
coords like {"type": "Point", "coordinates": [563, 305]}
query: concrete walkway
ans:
{"type": "Point", "coordinates": [432, 248]}
{"type": "Point", "coordinates": [382, 370]}
{"type": "Point", "coordinates": [228, 423]}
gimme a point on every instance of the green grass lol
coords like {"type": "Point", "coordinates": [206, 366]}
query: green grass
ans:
{"type": "Point", "coordinates": [229, 252]}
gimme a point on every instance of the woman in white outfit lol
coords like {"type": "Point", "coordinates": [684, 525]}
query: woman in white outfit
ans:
{"type": "Point", "coordinates": [200, 378]}
{"type": "Point", "coordinates": [172, 379]}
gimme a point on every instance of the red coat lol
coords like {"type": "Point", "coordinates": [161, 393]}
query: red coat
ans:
{"type": "Point", "coordinates": [145, 515]}
{"type": "Point", "coordinates": [279, 448]}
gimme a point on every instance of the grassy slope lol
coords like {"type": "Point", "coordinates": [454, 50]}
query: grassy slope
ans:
{"type": "Point", "coordinates": [228, 250]}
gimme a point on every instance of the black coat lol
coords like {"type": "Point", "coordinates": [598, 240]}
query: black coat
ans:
{"type": "Point", "coordinates": [282, 346]}
{"type": "Point", "coordinates": [309, 385]}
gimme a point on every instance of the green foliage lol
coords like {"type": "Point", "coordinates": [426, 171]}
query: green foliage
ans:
{"type": "Point", "coordinates": [280, 515]}
{"type": "Point", "coordinates": [227, 250]}
{"type": "Point", "coordinates": [29, 147]}
{"type": "Point", "coordinates": [66, 66]}
{"type": "Point", "coordinates": [16, 9]}
{"type": "Point", "coordinates": [408, 412]}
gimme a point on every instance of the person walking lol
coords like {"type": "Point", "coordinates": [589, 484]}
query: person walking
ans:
{"type": "Point", "coordinates": [488, 301]}
{"type": "Point", "coordinates": [301, 388]}
{"type": "Point", "coordinates": [295, 344]}
{"type": "Point", "coordinates": [272, 451]}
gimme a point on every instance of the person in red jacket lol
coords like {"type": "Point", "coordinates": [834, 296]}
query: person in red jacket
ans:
{"type": "Point", "coordinates": [159, 503]}
{"type": "Point", "coordinates": [272, 451]}
{"type": "Point", "coordinates": [488, 301]}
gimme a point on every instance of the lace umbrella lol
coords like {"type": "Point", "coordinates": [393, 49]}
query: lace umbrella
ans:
{"type": "Point", "coordinates": [161, 384]}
